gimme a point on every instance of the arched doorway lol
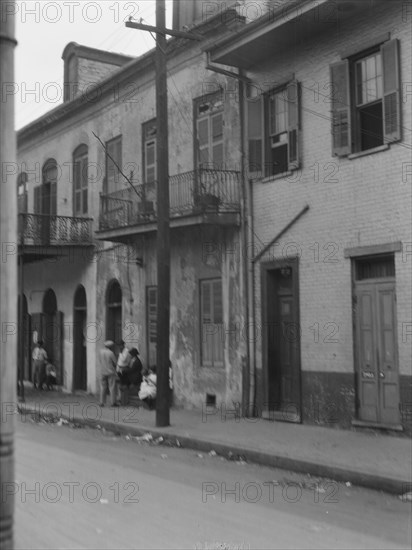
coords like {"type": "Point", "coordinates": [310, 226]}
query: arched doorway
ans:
{"type": "Point", "coordinates": [79, 342]}
{"type": "Point", "coordinates": [114, 312]}
{"type": "Point", "coordinates": [52, 332]}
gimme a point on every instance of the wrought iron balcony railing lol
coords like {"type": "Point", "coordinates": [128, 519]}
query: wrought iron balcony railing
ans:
{"type": "Point", "coordinates": [195, 192]}
{"type": "Point", "coordinates": [44, 230]}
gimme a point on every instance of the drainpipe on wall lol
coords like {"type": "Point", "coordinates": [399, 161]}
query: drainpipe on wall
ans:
{"type": "Point", "coordinates": [248, 392]}
{"type": "Point", "coordinates": [246, 378]}
{"type": "Point", "coordinates": [248, 265]}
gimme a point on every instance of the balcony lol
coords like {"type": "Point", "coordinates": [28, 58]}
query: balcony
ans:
{"type": "Point", "coordinates": [202, 196]}
{"type": "Point", "coordinates": [42, 235]}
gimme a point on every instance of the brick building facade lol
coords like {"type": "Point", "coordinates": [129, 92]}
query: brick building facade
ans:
{"type": "Point", "coordinates": [328, 142]}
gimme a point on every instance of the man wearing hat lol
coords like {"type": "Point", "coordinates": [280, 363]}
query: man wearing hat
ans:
{"type": "Point", "coordinates": [108, 375]}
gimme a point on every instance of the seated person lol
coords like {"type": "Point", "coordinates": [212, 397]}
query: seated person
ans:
{"type": "Point", "coordinates": [148, 388]}
{"type": "Point", "coordinates": [51, 376]}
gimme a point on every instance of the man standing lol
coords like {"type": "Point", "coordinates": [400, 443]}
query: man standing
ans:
{"type": "Point", "coordinates": [123, 361]}
{"type": "Point", "coordinates": [40, 358]}
{"type": "Point", "coordinates": [108, 375]}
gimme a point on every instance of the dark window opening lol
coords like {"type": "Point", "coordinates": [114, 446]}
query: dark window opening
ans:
{"type": "Point", "coordinates": [279, 160]}
{"type": "Point", "coordinates": [210, 400]}
{"type": "Point", "coordinates": [375, 268]}
{"type": "Point", "coordinates": [371, 126]}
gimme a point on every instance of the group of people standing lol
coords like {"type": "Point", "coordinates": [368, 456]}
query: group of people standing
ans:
{"type": "Point", "coordinates": [118, 374]}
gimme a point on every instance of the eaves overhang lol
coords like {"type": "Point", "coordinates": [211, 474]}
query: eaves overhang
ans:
{"type": "Point", "coordinates": [286, 27]}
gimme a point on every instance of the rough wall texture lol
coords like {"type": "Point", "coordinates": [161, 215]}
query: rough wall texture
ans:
{"type": "Point", "coordinates": [122, 113]}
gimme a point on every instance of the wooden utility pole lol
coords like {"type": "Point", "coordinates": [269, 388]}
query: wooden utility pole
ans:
{"type": "Point", "coordinates": [8, 274]}
{"type": "Point", "coordinates": [163, 233]}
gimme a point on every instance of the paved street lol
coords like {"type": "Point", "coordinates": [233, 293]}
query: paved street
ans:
{"type": "Point", "coordinates": [81, 488]}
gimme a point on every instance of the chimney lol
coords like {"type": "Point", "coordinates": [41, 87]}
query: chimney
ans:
{"type": "Point", "coordinates": [187, 13]}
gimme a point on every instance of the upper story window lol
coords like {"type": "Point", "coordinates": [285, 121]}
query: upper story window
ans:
{"type": "Point", "coordinates": [113, 162]}
{"type": "Point", "coordinates": [273, 131]}
{"type": "Point", "coordinates": [366, 100]}
{"type": "Point", "coordinates": [80, 181]}
{"type": "Point", "coordinates": [45, 195]}
{"type": "Point", "coordinates": [149, 151]}
{"type": "Point", "coordinates": [22, 193]}
{"type": "Point", "coordinates": [209, 124]}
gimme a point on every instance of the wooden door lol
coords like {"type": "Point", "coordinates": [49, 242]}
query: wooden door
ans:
{"type": "Point", "coordinates": [376, 347]}
{"type": "Point", "coordinates": [281, 341]}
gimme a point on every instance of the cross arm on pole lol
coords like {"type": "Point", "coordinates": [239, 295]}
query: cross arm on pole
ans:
{"type": "Point", "coordinates": [164, 31]}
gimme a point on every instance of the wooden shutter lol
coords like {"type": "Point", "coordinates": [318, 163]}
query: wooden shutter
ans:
{"type": "Point", "coordinates": [151, 315]}
{"type": "Point", "coordinates": [212, 323]}
{"type": "Point", "coordinates": [255, 134]}
{"type": "Point", "coordinates": [391, 91]}
{"type": "Point", "coordinates": [206, 322]}
{"type": "Point", "coordinates": [37, 206]}
{"type": "Point", "coordinates": [53, 198]}
{"type": "Point", "coordinates": [217, 141]}
{"type": "Point", "coordinates": [203, 142]}
{"type": "Point", "coordinates": [114, 149]}
{"type": "Point", "coordinates": [292, 96]}
{"type": "Point", "coordinates": [341, 114]}
{"type": "Point", "coordinates": [76, 186]}
{"type": "Point", "coordinates": [85, 183]}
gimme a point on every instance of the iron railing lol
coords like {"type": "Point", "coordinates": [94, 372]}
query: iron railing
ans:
{"type": "Point", "coordinates": [44, 229]}
{"type": "Point", "coordinates": [198, 191]}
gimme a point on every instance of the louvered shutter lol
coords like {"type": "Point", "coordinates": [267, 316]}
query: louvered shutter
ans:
{"type": "Point", "coordinates": [37, 207]}
{"type": "Point", "coordinates": [255, 135]}
{"type": "Point", "coordinates": [292, 95]}
{"type": "Point", "coordinates": [391, 91]}
{"type": "Point", "coordinates": [341, 115]}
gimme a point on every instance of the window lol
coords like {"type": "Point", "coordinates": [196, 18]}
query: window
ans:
{"type": "Point", "coordinates": [374, 267]}
{"type": "Point", "coordinates": [211, 322]}
{"type": "Point", "coordinates": [45, 195]}
{"type": "Point", "coordinates": [273, 131]}
{"type": "Point", "coordinates": [149, 151]}
{"type": "Point", "coordinates": [113, 160]}
{"type": "Point", "coordinates": [22, 193]}
{"type": "Point", "coordinates": [209, 131]}
{"type": "Point", "coordinates": [151, 315]}
{"type": "Point", "coordinates": [366, 100]}
{"type": "Point", "coordinates": [80, 183]}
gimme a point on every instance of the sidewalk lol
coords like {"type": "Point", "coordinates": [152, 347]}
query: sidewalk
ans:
{"type": "Point", "coordinates": [366, 458]}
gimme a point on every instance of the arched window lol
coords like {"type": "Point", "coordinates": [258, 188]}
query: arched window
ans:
{"type": "Point", "coordinates": [80, 298]}
{"type": "Point", "coordinates": [22, 193]}
{"type": "Point", "coordinates": [80, 180]}
{"type": "Point", "coordinates": [49, 302]}
{"type": "Point", "coordinates": [45, 195]}
{"type": "Point", "coordinates": [114, 311]}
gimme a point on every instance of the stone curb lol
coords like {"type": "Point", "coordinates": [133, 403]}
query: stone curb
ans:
{"type": "Point", "coordinates": [337, 473]}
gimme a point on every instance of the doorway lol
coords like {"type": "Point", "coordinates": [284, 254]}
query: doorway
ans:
{"type": "Point", "coordinates": [79, 340]}
{"type": "Point", "coordinates": [114, 313]}
{"type": "Point", "coordinates": [52, 332]}
{"type": "Point", "coordinates": [281, 340]}
{"type": "Point", "coordinates": [376, 352]}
